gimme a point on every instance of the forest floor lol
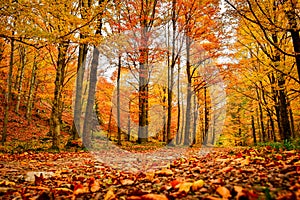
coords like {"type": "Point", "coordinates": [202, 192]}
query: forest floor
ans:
{"type": "Point", "coordinates": [193, 173]}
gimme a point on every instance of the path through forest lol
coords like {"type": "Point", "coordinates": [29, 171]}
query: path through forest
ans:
{"type": "Point", "coordinates": [206, 173]}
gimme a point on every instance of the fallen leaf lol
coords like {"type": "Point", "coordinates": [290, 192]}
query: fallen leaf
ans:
{"type": "Point", "coordinates": [246, 161]}
{"type": "Point", "coordinates": [63, 191]}
{"type": "Point", "coordinates": [110, 195]}
{"type": "Point", "coordinates": [240, 192]}
{"type": "Point", "coordinates": [154, 197]}
{"type": "Point", "coordinates": [95, 186]}
{"type": "Point", "coordinates": [227, 169]}
{"type": "Point", "coordinates": [185, 186]}
{"type": "Point", "coordinates": [224, 192]}
{"type": "Point", "coordinates": [81, 190]}
{"type": "Point", "coordinates": [174, 183]}
{"type": "Point", "coordinates": [197, 185]}
{"type": "Point", "coordinates": [127, 182]}
{"type": "Point", "coordinates": [165, 172]}
{"type": "Point", "coordinates": [212, 198]}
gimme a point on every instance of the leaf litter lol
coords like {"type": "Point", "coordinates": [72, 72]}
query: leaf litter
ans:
{"type": "Point", "coordinates": [218, 173]}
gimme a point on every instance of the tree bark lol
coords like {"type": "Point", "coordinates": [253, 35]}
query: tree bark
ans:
{"type": "Point", "coordinates": [9, 91]}
{"type": "Point", "coordinates": [253, 130]}
{"type": "Point", "coordinates": [55, 118]}
{"type": "Point", "coordinates": [189, 94]}
{"type": "Point", "coordinates": [77, 127]}
{"type": "Point", "coordinates": [21, 70]}
{"type": "Point", "coordinates": [118, 101]}
{"type": "Point", "coordinates": [178, 106]}
{"type": "Point", "coordinates": [87, 127]}
{"type": "Point", "coordinates": [31, 89]}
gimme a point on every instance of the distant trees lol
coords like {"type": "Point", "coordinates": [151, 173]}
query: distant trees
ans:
{"type": "Point", "coordinates": [163, 61]}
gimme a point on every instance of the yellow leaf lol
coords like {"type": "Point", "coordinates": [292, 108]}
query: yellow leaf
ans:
{"type": "Point", "coordinates": [245, 162]}
{"type": "Point", "coordinates": [110, 195]}
{"type": "Point", "coordinates": [82, 190]}
{"type": "Point", "coordinates": [197, 185]}
{"type": "Point", "coordinates": [95, 186]}
{"type": "Point", "coordinates": [127, 182]}
{"type": "Point", "coordinates": [186, 186]}
{"type": "Point", "coordinates": [165, 172]}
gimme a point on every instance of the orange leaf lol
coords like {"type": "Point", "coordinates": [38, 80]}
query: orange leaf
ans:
{"type": "Point", "coordinates": [224, 192]}
{"type": "Point", "coordinates": [154, 197]}
{"type": "Point", "coordinates": [174, 183]}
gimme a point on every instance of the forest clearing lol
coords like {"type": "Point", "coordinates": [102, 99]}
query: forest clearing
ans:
{"type": "Point", "coordinates": [149, 99]}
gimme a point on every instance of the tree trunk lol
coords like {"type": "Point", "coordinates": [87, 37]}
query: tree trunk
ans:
{"type": "Point", "coordinates": [293, 133]}
{"type": "Point", "coordinates": [129, 121]}
{"type": "Point", "coordinates": [86, 135]}
{"type": "Point", "coordinates": [261, 115]}
{"type": "Point", "coordinates": [182, 120]}
{"type": "Point", "coordinates": [253, 130]}
{"type": "Point", "coordinates": [189, 94]}
{"type": "Point", "coordinates": [195, 119]}
{"type": "Point", "coordinates": [143, 91]}
{"type": "Point", "coordinates": [8, 93]}
{"type": "Point", "coordinates": [294, 30]}
{"type": "Point", "coordinates": [31, 89]}
{"type": "Point", "coordinates": [55, 118]}
{"type": "Point", "coordinates": [283, 111]}
{"type": "Point", "coordinates": [118, 101]}
{"type": "Point", "coordinates": [21, 70]}
{"type": "Point", "coordinates": [77, 127]}
{"type": "Point", "coordinates": [284, 117]}
{"type": "Point", "coordinates": [178, 106]}
{"type": "Point", "coordinates": [206, 116]}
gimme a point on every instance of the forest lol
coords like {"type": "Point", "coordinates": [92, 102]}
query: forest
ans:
{"type": "Point", "coordinates": [94, 84]}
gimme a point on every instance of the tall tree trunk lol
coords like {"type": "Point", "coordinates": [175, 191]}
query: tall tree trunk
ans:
{"type": "Point", "coordinates": [143, 90]}
{"type": "Point", "coordinates": [164, 99]}
{"type": "Point", "coordinates": [31, 89]}
{"type": "Point", "coordinates": [294, 30]}
{"type": "Point", "coordinates": [129, 121]}
{"type": "Point", "coordinates": [182, 120]}
{"type": "Point", "coordinates": [178, 106]}
{"type": "Point", "coordinates": [8, 93]}
{"type": "Point", "coordinates": [284, 116]}
{"type": "Point", "coordinates": [76, 126]}
{"type": "Point", "coordinates": [293, 133]}
{"type": "Point", "coordinates": [253, 130]}
{"type": "Point", "coordinates": [109, 124]}
{"type": "Point", "coordinates": [55, 118]}
{"type": "Point", "coordinates": [118, 101]}
{"type": "Point", "coordinates": [170, 82]}
{"type": "Point", "coordinates": [283, 111]}
{"type": "Point", "coordinates": [261, 115]}
{"type": "Point", "coordinates": [189, 94]}
{"type": "Point", "coordinates": [195, 119]}
{"type": "Point", "coordinates": [21, 70]}
{"type": "Point", "coordinates": [86, 135]}
{"type": "Point", "coordinates": [206, 116]}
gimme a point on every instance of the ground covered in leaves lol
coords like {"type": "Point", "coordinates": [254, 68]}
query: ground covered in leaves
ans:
{"type": "Point", "coordinates": [198, 173]}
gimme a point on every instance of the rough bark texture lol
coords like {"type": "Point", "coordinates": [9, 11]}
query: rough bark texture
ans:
{"type": "Point", "coordinates": [118, 101]}
{"type": "Point", "coordinates": [55, 118]}
{"type": "Point", "coordinates": [21, 70]}
{"type": "Point", "coordinates": [178, 106]}
{"type": "Point", "coordinates": [77, 126]}
{"type": "Point", "coordinates": [189, 95]}
{"type": "Point", "coordinates": [31, 89]}
{"type": "Point", "coordinates": [8, 93]}
{"type": "Point", "coordinates": [87, 127]}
